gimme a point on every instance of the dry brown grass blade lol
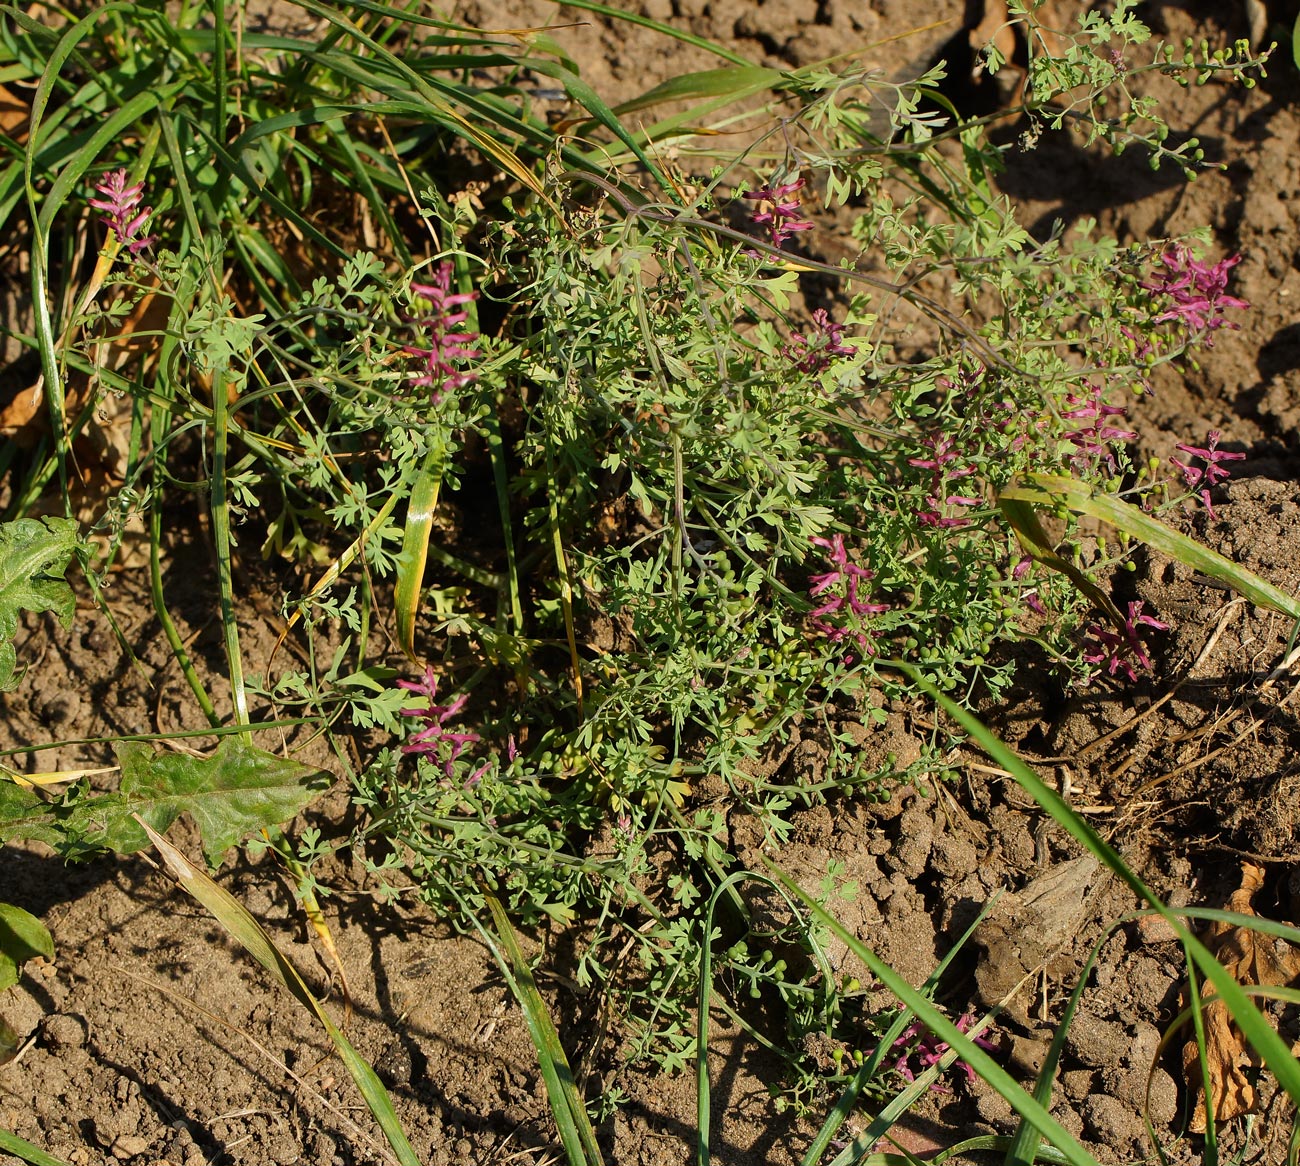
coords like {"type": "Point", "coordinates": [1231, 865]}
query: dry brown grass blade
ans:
{"type": "Point", "coordinates": [1253, 959]}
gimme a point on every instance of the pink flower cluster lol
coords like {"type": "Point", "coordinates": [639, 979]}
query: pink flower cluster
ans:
{"type": "Point", "coordinates": [434, 741]}
{"type": "Point", "coordinates": [1094, 440]}
{"type": "Point", "coordinates": [1119, 650]}
{"type": "Point", "coordinates": [444, 345]}
{"type": "Point", "coordinates": [813, 355]}
{"type": "Point", "coordinates": [122, 213]}
{"type": "Point", "coordinates": [838, 617]}
{"type": "Point", "coordinates": [929, 1049]}
{"type": "Point", "coordinates": [1198, 291]}
{"type": "Point", "coordinates": [1200, 480]}
{"type": "Point", "coordinates": [783, 215]}
{"type": "Point", "coordinates": [943, 455]}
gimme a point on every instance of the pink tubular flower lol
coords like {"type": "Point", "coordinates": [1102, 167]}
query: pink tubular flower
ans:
{"type": "Point", "coordinates": [1200, 480]}
{"type": "Point", "coordinates": [445, 345]}
{"type": "Point", "coordinates": [1093, 441]}
{"type": "Point", "coordinates": [121, 211]}
{"type": "Point", "coordinates": [929, 1049]}
{"type": "Point", "coordinates": [429, 741]}
{"type": "Point", "coordinates": [785, 215]}
{"type": "Point", "coordinates": [1118, 651]}
{"type": "Point", "coordinates": [1198, 291]}
{"type": "Point", "coordinates": [827, 340]}
{"type": "Point", "coordinates": [1030, 596]}
{"type": "Point", "coordinates": [940, 463]}
{"type": "Point", "coordinates": [838, 588]}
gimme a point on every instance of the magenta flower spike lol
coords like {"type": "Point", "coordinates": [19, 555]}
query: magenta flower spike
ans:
{"type": "Point", "coordinates": [1118, 651]}
{"type": "Point", "coordinates": [1094, 440]}
{"type": "Point", "coordinates": [827, 340]}
{"type": "Point", "coordinates": [929, 1049]}
{"type": "Point", "coordinates": [444, 345]}
{"type": "Point", "coordinates": [121, 211]}
{"type": "Point", "coordinates": [1200, 480]}
{"type": "Point", "coordinates": [941, 463]}
{"type": "Point", "coordinates": [431, 739]}
{"type": "Point", "coordinates": [1198, 290]}
{"type": "Point", "coordinates": [839, 590]}
{"type": "Point", "coordinates": [784, 215]}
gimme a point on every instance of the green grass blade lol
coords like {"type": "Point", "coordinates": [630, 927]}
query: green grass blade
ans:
{"type": "Point", "coordinates": [497, 150]}
{"type": "Point", "coordinates": [593, 103]}
{"type": "Point", "coordinates": [960, 1045]}
{"type": "Point", "coordinates": [576, 1134]}
{"type": "Point", "coordinates": [1050, 491]}
{"type": "Point", "coordinates": [703, 1086]}
{"type": "Point", "coordinates": [1253, 1025]}
{"type": "Point", "coordinates": [731, 83]}
{"type": "Point", "coordinates": [666, 29]}
{"type": "Point", "coordinates": [246, 930]}
{"type": "Point", "coordinates": [12, 1144]}
{"type": "Point", "coordinates": [501, 482]}
{"type": "Point", "coordinates": [220, 506]}
{"type": "Point", "coordinates": [871, 1066]}
{"type": "Point", "coordinates": [881, 1124]}
{"type": "Point", "coordinates": [1024, 1148]}
{"type": "Point", "coordinates": [989, 1143]}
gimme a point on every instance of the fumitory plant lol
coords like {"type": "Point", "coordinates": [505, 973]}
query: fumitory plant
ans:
{"type": "Point", "coordinates": [639, 482]}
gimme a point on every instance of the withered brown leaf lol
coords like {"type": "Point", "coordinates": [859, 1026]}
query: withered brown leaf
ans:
{"type": "Point", "coordinates": [1251, 958]}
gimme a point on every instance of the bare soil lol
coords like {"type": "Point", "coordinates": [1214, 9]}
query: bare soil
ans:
{"type": "Point", "coordinates": [152, 1039]}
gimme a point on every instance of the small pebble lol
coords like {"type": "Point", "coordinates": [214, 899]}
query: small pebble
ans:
{"type": "Point", "coordinates": [1155, 929]}
{"type": "Point", "coordinates": [128, 1146]}
{"type": "Point", "coordinates": [63, 1031]}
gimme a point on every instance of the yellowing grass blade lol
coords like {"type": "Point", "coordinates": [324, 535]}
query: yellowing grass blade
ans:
{"type": "Point", "coordinates": [1037, 544]}
{"type": "Point", "coordinates": [52, 777]}
{"type": "Point", "coordinates": [415, 546]}
{"type": "Point", "coordinates": [1050, 490]}
{"type": "Point", "coordinates": [235, 918]}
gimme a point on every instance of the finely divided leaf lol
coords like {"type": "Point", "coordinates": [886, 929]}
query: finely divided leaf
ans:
{"type": "Point", "coordinates": [232, 794]}
{"type": "Point", "coordinates": [34, 554]}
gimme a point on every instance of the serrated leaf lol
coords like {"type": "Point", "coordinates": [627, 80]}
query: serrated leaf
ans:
{"type": "Point", "coordinates": [237, 791]}
{"type": "Point", "coordinates": [22, 937]}
{"type": "Point", "coordinates": [34, 554]}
